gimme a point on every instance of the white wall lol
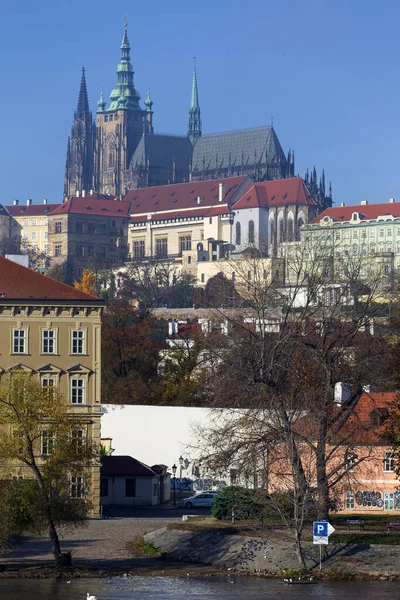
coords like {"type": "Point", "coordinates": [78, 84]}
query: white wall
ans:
{"type": "Point", "coordinates": [152, 434]}
{"type": "Point", "coordinates": [144, 495]}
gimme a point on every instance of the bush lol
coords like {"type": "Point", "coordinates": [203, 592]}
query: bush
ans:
{"type": "Point", "coordinates": [249, 504]}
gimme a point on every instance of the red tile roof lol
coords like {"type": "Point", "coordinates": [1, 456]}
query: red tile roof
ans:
{"type": "Point", "coordinates": [20, 283]}
{"type": "Point", "coordinates": [280, 192]}
{"type": "Point", "coordinates": [181, 195]}
{"type": "Point", "coordinates": [124, 465]}
{"type": "Point", "coordinates": [366, 211]}
{"type": "Point", "coordinates": [31, 210]}
{"type": "Point", "coordinates": [94, 204]}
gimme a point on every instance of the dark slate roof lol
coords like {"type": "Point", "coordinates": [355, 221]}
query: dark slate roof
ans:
{"type": "Point", "coordinates": [248, 146]}
{"type": "Point", "coordinates": [162, 150]}
{"type": "Point", "coordinates": [124, 465]}
{"type": "Point", "coordinates": [3, 211]}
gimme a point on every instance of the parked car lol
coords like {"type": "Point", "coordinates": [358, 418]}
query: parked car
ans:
{"type": "Point", "coordinates": [200, 500]}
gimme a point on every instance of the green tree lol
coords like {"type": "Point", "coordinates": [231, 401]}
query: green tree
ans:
{"type": "Point", "coordinates": [51, 450]}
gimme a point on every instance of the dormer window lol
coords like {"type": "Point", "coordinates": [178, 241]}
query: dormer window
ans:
{"type": "Point", "coordinates": [355, 216]}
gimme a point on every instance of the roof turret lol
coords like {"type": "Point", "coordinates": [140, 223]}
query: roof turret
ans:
{"type": "Point", "coordinates": [194, 129]}
{"type": "Point", "coordinates": [83, 102]}
{"type": "Point", "coordinates": [101, 103]}
{"type": "Point", "coordinates": [148, 102]}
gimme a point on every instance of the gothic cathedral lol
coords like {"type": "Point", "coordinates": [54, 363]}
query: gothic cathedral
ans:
{"type": "Point", "coordinates": [121, 151]}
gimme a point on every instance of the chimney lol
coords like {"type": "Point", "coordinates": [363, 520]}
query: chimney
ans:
{"type": "Point", "coordinates": [370, 388]}
{"type": "Point", "coordinates": [342, 393]}
{"type": "Point", "coordinates": [83, 193]}
{"type": "Point", "coordinates": [392, 200]}
{"type": "Point", "coordinates": [200, 199]}
{"type": "Point", "coordinates": [29, 202]}
{"type": "Point", "coordinates": [44, 200]}
{"type": "Point", "coordinates": [78, 193]}
{"type": "Point", "coordinates": [221, 195]}
{"type": "Point", "coordinates": [364, 202]}
{"type": "Point", "coordinates": [342, 204]}
{"type": "Point", "coordinates": [15, 202]}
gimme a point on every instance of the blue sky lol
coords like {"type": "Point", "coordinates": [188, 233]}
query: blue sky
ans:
{"type": "Point", "coordinates": [328, 71]}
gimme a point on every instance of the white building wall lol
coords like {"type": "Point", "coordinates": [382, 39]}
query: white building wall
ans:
{"type": "Point", "coordinates": [243, 216]}
{"type": "Point", "coordinates": [144, 491]}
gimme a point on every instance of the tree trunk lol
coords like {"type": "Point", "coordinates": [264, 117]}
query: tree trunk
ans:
{"type": "Point", "coordinates": [60, 558]}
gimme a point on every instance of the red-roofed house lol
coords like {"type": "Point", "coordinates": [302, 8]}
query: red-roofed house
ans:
{"type": "Point", "coordinates": [29, 223]}
{"type": "Point", "coordinates": [53, 331]}
{"type": "Point", "coordinates": [87, 229]}
{"type": "Point", "coordinates": [205, 221]}
{"type": "Point", "coordinates": [361, 464]}
{"type": "Point", "coordinates": [368, 233]}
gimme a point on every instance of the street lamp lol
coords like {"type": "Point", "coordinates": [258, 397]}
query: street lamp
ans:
{"type": "Point", "coordinates": [174, 479]}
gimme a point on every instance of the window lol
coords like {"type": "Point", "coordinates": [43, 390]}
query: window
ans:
{"type": "Point", "coordinates": [79, 227]}
{"type": "Point", "coordinates": [355, 235]}
{"type": "Point", "coordinates": [19, 341]}
{"type": "Point", "coordinates": [48, 383]}
{"type": "Point", "coordinates": [77, 390]}
{"type": "Point", "coordinates": [238, 235]}
{"type": "Point", "coordinates": [77, 489]}
{"type": "Point", "coordinates": [46, 248]}
{"type": "Point", "coordinates": [78, 436]}
{"type": "Point", "coordinates": [103, 486]}
{"type": "Point", "coordinates": [349, 500]}
{"type": "Point", "coordinates": [57, 250]}
{"type": "Point", "coordinates": [46, 235]}
{"type": "Point", "coordinates": [337, 235]}
{"type": "Point", "coordinates": [386, 270]}
{"type": "Point", "coordinates": [203, 278]}
{"type": "Point", "coordinates": [233, 276]}
{"type": "Point", "coordinates": [162, 247]}
{"type": "Point", "coordinates": [58, 227]}
{"type": "Point", "coordinates": [48, 341]}
{"type": "Point", "coordinates": [364, 251]}
{"type": "Point", "coordinates": [34, 222]}
{"type": "Point", "coordinates": [349, 461]}
{"type": "Point", "coordinates": [381, 233]}
{"type": "Point", "coordinates": [90, 250]}
{"type": "Point", "coordinates": [355, 249]}
{"type": "Point", "coordinates": [189, 260]}
{"type": "Point", "coordinates": [130, 488]}
{"type": "Point", "coordinates": [90, 228]}
{"type": "Point", "coordinates": [210, 221]}
{"type": "Point", "coordinates": [24, 235]}
{"type": "Point", "coordinates": [388, 497]}
{"type": "Point", "coordinates": [26, 222]}
{"type": "Point", "coordinates": [251, 232]}
{"type": "Point", "coordinates": [47, 442]}
{"type": "Point", "coordinates": [138, 249]}
{"type": "Point", "coordinates": [33, 235]}
{"type": "Point", "coordinates": [78, 341]}
{"type": "Point", "coordinates": [185, 243]}
{"type": "Point", "coordinates": [80, 250]}
{"type": "Point", "coordinates": [388, 462]}
{"type": "Point", "coordinates": [389, 232]}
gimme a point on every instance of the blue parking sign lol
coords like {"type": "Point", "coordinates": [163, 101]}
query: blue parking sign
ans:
{"type": "Point", "coordinates": [320, 528]}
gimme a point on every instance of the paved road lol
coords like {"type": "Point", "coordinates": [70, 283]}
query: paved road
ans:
{"type": "Point", "coordinates": [101, 540]}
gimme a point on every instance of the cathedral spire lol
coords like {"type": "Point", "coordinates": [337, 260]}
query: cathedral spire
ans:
{"type": "Point", "coordinates": [194, 130]}
{"type": "Point", "coordinates": [80, 149]}
{"type": "Point", "coordinates": [83, 102]}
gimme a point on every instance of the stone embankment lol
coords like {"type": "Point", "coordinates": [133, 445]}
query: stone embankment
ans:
{"type": "Point", "coordinates": [274, 553]}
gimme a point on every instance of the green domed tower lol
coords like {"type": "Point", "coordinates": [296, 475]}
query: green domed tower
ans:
{"type": "Point", "coordinates": [120, 127]}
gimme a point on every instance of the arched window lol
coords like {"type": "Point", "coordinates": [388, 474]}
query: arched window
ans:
{"type": "Point", "coordinates": [300, 224]}
{"type": "Point", "coordinates": [203, 278]}
{"type": "Point", "coordinates": [290, 230]}
{"type": "Point", "coordinates": [272, 232]}
{"type": "Point", "coordinates": [200, 247]}
{"type": "Point", "coordinates": [238, 235]}
{"type": "Point", "coordinates": [280, 230]}
{"type": "Point", "coordinates": [111, 159]}
{"type": "Point", "coordinates": [251, 232]}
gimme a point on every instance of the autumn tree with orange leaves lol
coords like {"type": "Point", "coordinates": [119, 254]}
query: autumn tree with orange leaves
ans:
{"type": "Point", "coordinates": [88, 283]}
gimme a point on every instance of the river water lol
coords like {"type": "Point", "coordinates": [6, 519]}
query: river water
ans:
{"type": "Point", "coordinates": [172, 588]}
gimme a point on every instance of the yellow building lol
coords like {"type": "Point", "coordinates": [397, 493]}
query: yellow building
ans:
{"type": "Point", "coordinates": [30, 223]}
{"type": "Point", "coordinates": [54, 332]}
